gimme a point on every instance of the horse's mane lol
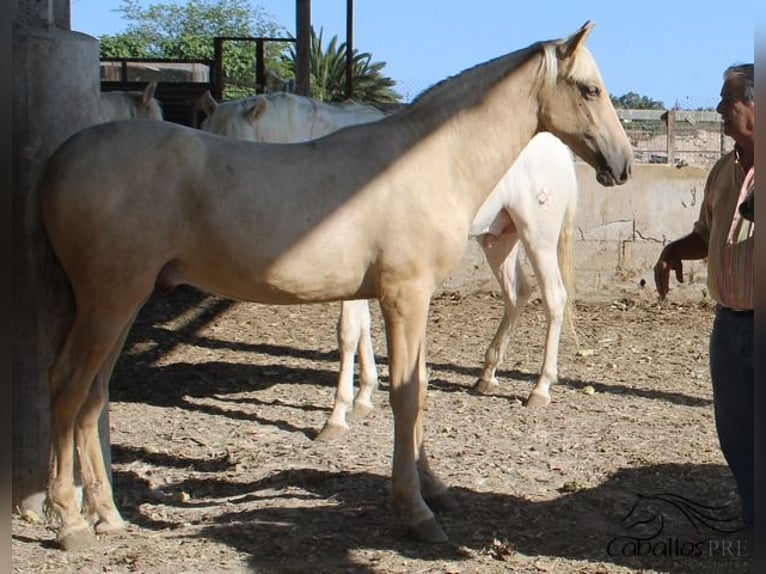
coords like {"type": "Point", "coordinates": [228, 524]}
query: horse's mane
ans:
{"type": "Point", "coordinates": [471, 83]}
{"type": "Point", "coordinates": [480, 77]}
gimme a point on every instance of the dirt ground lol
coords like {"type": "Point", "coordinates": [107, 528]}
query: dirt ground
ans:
{"type": "Point", "coordinates": [215, 405]}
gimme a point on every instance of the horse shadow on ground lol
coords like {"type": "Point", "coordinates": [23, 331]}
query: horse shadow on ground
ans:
{"type": "Point", "coordinates": [137, 378]}
{"type": "Point", "coordinates": [647, 517]}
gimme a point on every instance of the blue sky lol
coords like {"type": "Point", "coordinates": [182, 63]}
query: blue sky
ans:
{"type": "Point", "coordinates": [673, 50]}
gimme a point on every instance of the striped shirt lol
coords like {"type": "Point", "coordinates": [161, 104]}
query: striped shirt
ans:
{"type": "Point", "coordinates": [729, 236]}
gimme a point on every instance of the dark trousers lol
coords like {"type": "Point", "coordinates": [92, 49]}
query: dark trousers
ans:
{"type": "Point", "coordinates": [732, 374]}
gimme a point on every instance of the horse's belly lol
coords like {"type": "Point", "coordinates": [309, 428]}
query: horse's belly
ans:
{"type": "Point", "coordinates": [278, 282]}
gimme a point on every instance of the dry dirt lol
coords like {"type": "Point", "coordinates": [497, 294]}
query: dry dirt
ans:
{"type": "Point", "coordinates": [215, 405]}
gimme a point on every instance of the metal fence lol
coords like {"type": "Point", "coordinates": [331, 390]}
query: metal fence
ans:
{"type": "Point", "coordinates": [676, 137]}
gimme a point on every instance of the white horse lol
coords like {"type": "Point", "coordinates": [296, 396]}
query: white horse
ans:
{"type": "Point", "coordinates": [535, 201]}
{"type": "Point", "coordinates": [291, 118]}
{"type": "Point", "coordinates": [118, 105]}
{"type": "Point", "coordinates": [380, 210]}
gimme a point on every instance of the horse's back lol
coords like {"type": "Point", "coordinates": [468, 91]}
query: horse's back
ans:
{"type": "Point", "coordinates": [108, 166]}
{"type": "Point", "coordinates": [542, 177]}
{"type": "Point", "coordinates": [545, 156]}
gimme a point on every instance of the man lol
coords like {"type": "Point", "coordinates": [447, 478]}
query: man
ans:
{"type": "Point", "coordinates": [726, 238]}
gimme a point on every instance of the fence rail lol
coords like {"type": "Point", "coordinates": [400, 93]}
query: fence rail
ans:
{"type": "Point", "coordinates": [675, 137]}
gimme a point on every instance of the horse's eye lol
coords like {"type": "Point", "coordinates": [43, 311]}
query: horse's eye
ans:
{"type": "Point", "coordinates": [591, 92]}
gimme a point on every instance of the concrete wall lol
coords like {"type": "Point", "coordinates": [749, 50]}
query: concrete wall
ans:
{"type": "Point", "coordinates": [619, 234]}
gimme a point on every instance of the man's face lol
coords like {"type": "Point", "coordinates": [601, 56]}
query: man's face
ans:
{"type": "Point", "coordinates": [737, 114]}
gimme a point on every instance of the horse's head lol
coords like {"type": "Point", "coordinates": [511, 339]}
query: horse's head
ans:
{"type": "Point", "coordinates": [235, 119]}
{"type": "Point", "coordinates": [575, 106]}
{"type": "Point", "coordinates": [147, 105]}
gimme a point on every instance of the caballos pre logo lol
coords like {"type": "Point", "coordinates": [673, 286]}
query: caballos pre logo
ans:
{"type": "Point", "coordinates": [646, 532]}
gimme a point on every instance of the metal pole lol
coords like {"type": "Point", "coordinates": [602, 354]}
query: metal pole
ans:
{"type": "Point", "coordinates": [349, 48]}
{"type": "Point", "coordinates": [218, 68]}
{"type": "Point", "coordinates": [260, 67]}
{"type": "Point", "coordinates": [671, 137]}
{"type": "Point", "coordinates": [303, 47]}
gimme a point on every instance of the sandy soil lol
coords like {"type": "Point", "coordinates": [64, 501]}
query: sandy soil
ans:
{"type": "Point", "coordinates": [215, 406]}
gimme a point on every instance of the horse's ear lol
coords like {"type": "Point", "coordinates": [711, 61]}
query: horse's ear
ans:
{"type": "Point", "coordinates": [573, 43]}
{"type": "Point", "coordinates": [207, 103]}
{"type": "Point", "coordinates": [255, 110]}
{"type": "Point", "coordinates": [148, 93]}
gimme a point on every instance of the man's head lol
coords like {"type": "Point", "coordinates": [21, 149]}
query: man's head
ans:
{"type": "Point", "coordinates": [737, 103]}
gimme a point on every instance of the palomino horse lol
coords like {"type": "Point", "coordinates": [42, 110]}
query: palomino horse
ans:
{"type": "Point", "coordinates": [534, 201]}
{"type": "Point", "coordinates": [118, 105]}
{"type": "Point", "coordinates": [288, 118]}
{"type": "Point", "coordinates": [379, 210]}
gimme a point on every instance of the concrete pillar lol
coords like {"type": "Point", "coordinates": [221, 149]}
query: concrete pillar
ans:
{"type": "Point", "coordinates": [55, 79]}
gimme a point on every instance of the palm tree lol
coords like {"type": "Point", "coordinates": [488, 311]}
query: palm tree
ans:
{"type": "Point", "coordinates": [328, 74]}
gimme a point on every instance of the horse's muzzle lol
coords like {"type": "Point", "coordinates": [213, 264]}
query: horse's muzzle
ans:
{"type": "Point", "coordinates": [608, 177]}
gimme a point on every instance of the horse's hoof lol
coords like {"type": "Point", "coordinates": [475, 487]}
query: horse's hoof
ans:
{"type": "Point", "coordinates": [538, 400]}
{"type": "Point", "coordinates": [427, 531]}
{"type": "Point", "coordinates": [111, 526]}
{"type": "Point", "coordinates": [360, 411]}
{"type": "Point", "coordinates": [443, 502]}
{"type": "Point", "coordinates": [331, 432]}
{"type": "Point", "coordinates": [485, 386]}
{"type": "Point", "coordinates": [76, 539]}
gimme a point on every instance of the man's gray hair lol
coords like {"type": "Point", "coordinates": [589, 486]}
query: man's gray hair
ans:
{"type": "Point", "coordinates": [747, 72]}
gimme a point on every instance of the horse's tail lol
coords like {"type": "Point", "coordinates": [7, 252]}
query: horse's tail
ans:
{"type": "Point", "coordinates": [566, 255]}
{"type": "Point", "coordinates": [49, 282]}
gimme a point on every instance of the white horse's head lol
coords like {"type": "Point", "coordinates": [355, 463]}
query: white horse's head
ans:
{"type": "Point", "coordinates": [576, 107]}
{"type": "Point", "coordinates": [119, 105]}
{"type": "Point", "coordinates": [147, 105]}
{"type": "Point", "coordinates": [234, 119]}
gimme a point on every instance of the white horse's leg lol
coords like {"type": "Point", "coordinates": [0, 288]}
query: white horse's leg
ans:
{"type": "Point", "coordinates": [406, 316]}
{"type": "Point", "coordinates": [348, 334]}
{"type": "Point", "coordinates": [368, 370]}
{"type": "Point", "coordinates": [88, 343]}
{"type": "Point", "coordinates": [545, 262]}
{"type": "Point", "coordinates": [502, 255]}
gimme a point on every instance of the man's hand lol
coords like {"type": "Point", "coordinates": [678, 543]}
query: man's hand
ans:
{"type": "Point", "coordinates": [667, 262]}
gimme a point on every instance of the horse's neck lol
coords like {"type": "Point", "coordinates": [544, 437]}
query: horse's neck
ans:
{"type": "Point", "coordinates": [480, 121]}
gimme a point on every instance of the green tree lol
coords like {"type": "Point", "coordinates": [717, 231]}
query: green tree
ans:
{"type": "Point", "coordinates": [634, 101]}
{"type": "Point", "coordinates": [186, 31]}
{"type": "Point", "coordinates": [328, 73]}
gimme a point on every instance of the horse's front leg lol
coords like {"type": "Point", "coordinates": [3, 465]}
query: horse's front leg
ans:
{"type": "Point", "coordinates": [405, 315]}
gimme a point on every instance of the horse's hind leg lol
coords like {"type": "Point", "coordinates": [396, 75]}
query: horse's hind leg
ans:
{"type": "Point", "coordinates": [503, 259]}
{"type": "Point", "coordinates": [88, 343]}
{"type": "Point", "coordinates": [349, 334]}
{"type": "Point", "coordinates": [96, 487]}
{"type": "Point", "coordinates": [368, 371]}
{"type": "Point", "coordinates": [554, 294]}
